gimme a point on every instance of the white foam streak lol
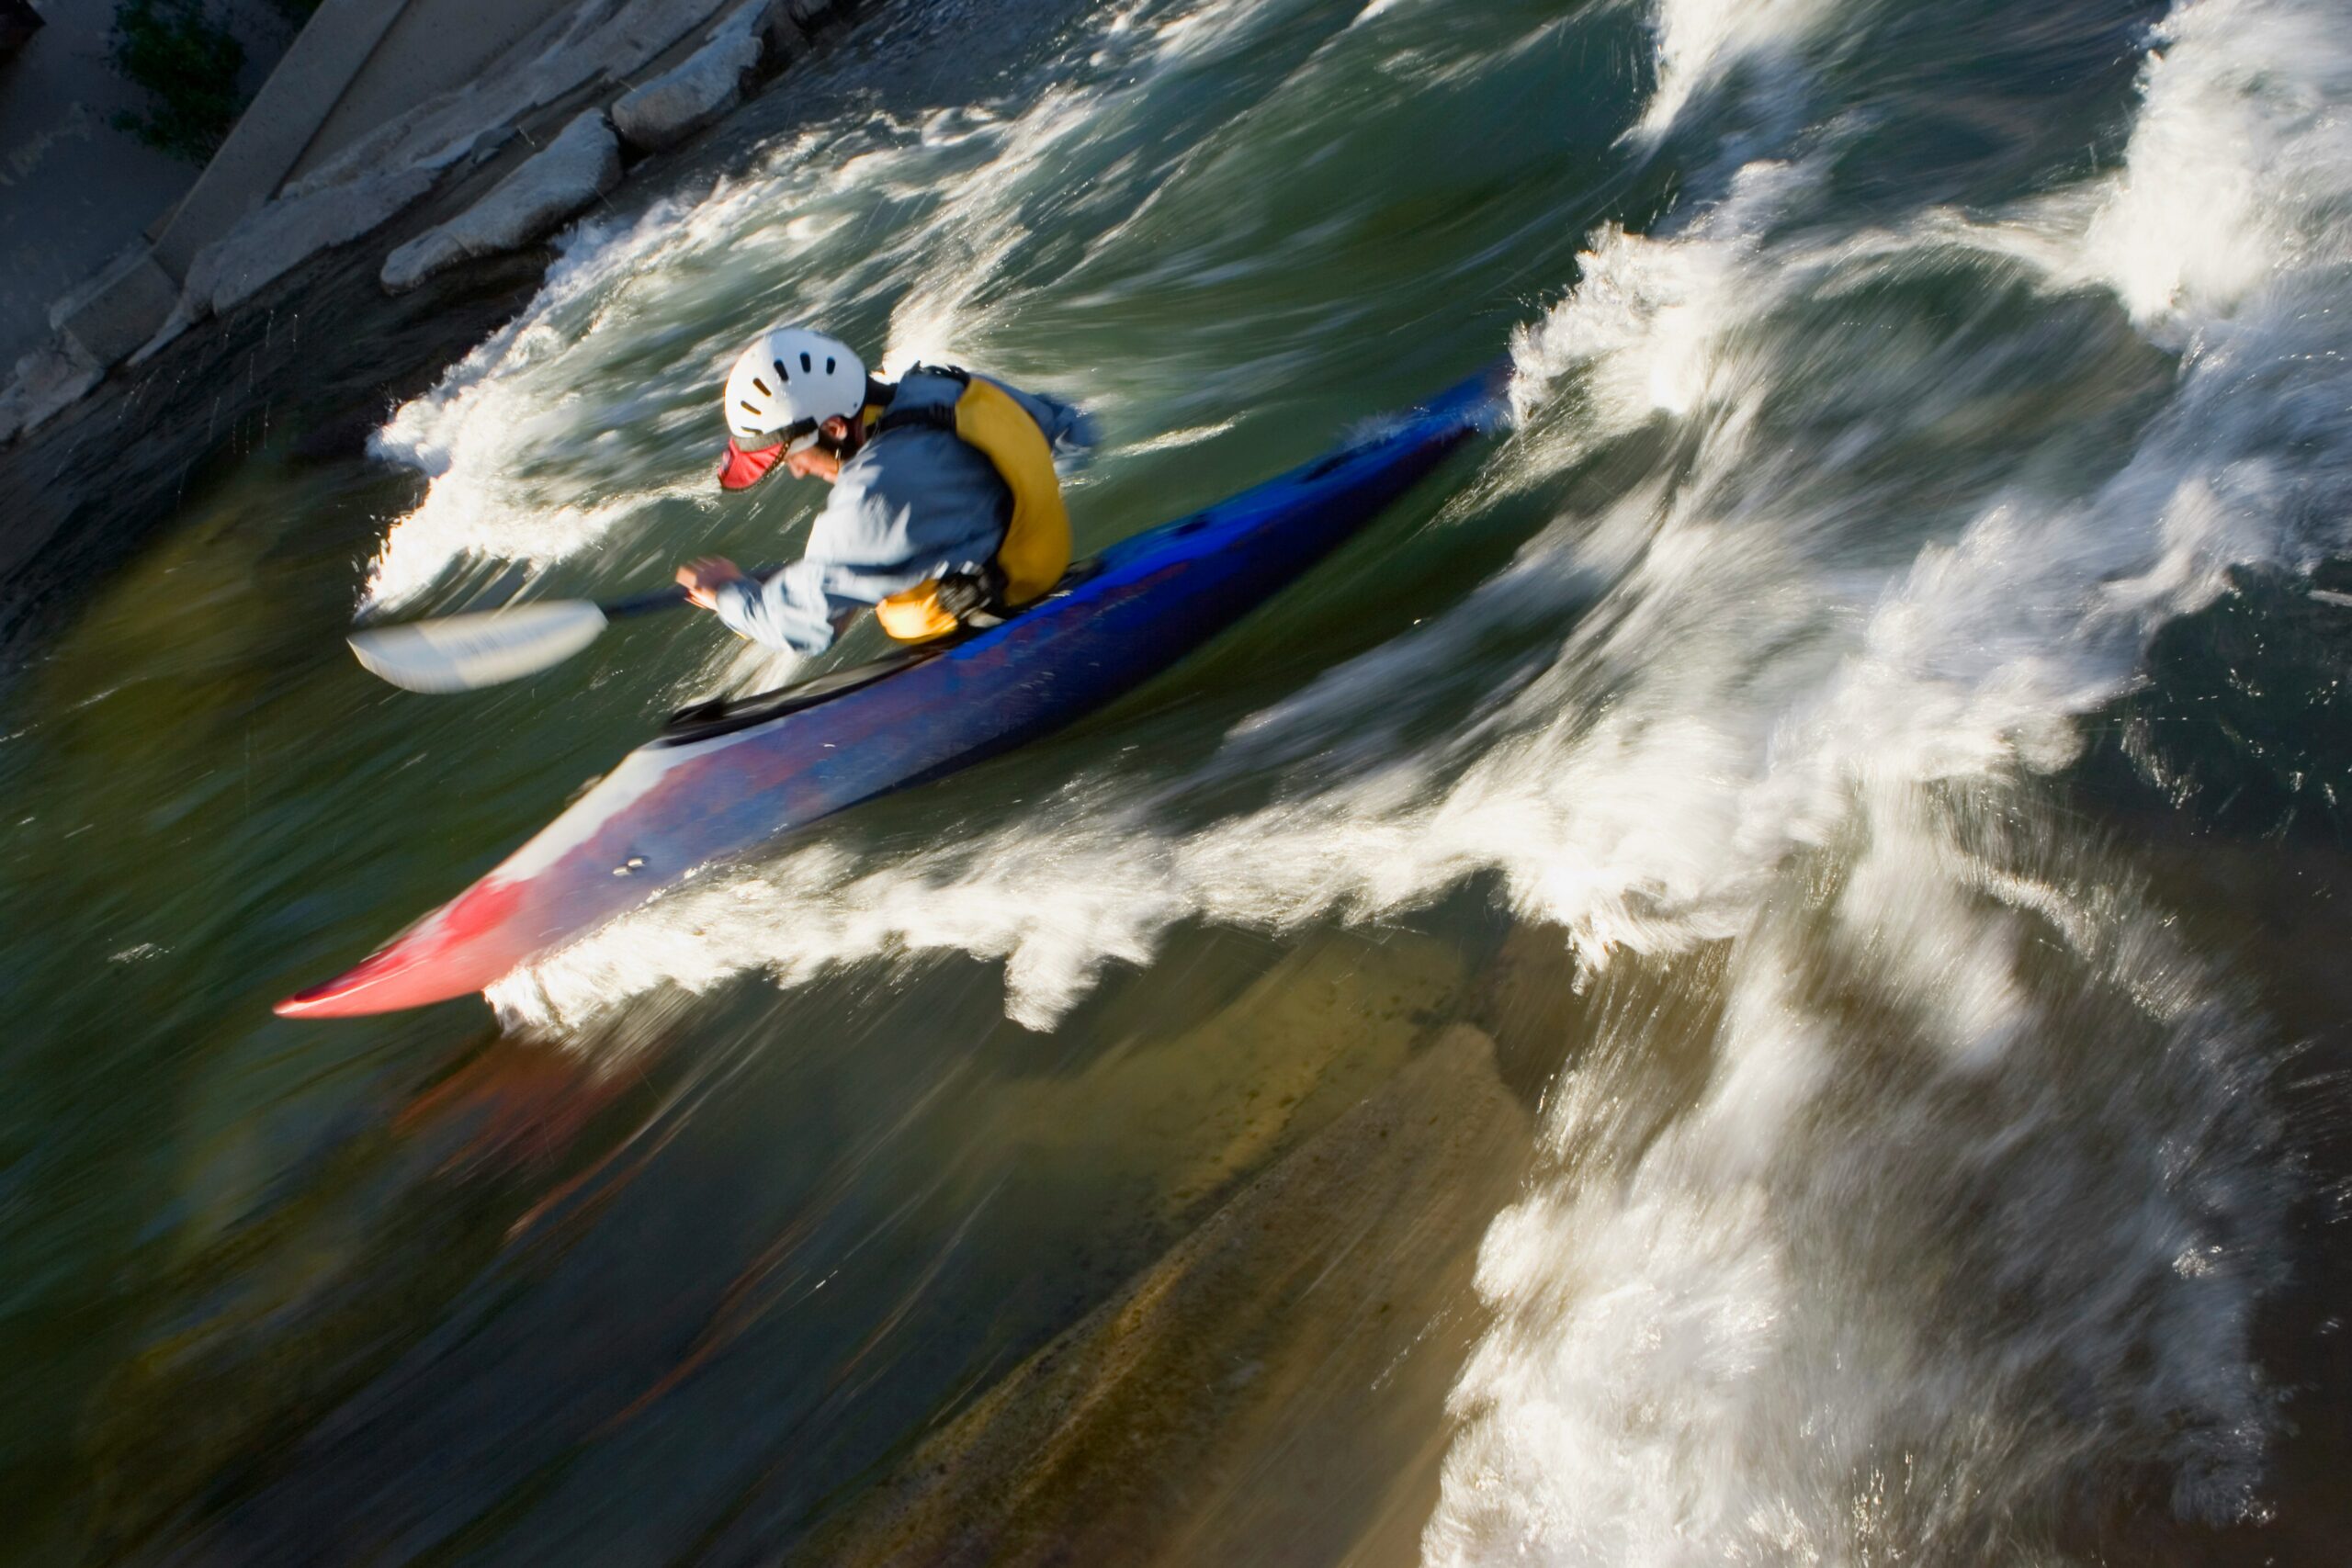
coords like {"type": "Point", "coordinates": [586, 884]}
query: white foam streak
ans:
{"type": "Point", "coordinates": [954, 259]}
{"type": "Point", "coordinates": [1189, 436]}
{"type": "Point", "coordinates": [1642, 331]}
{"type": "Point", "coordinates": [1701, 41]}
{"type": "Point", "coordinates": [2240, 159]}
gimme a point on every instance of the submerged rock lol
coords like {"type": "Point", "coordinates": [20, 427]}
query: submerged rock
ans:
{"type": "Point", "coordinates": [707, 85]}
{"type": "Point", "coordinates": [575, 169]}
{"type": "Point", "coordinates": [1273, 1389]}
{"type": "Point", "coordinates": [1168, 1124]}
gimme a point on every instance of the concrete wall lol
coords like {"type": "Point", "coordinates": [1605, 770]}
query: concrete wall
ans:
{"type": "Point", "coordinates": [74, 192]}
{"type": "Point", "coordinates": [433, 46]}
{"type": "Point", "coordinates": [277, 126]}
{"type": "Point", "coordinates": [358, 65]}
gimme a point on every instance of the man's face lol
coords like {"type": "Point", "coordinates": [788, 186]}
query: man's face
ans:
{"type": "Point", "coordinates": [822, 461]}
{"type": "Point", "coordinates": [813, 462]}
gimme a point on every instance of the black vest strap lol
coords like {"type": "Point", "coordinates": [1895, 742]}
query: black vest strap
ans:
{"type": "Point", "coordinates": [938, 416]}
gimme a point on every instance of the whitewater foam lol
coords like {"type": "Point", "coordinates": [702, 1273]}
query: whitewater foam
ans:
{"type": "Point", "coordinates": [1701, 42]}
{"type": "Point", "coordinates": [1880, 1295]}
{"type": "Point", "coordinates": [1658, 1387]}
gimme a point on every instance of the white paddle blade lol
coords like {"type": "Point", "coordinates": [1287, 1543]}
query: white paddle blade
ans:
{"type": "Point", "coordinates": [459, 653]}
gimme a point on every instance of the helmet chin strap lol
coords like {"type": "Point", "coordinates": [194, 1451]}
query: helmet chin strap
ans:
{"type": "Point", "coordinates": [861, 424]}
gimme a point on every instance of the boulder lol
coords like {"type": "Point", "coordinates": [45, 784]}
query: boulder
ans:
{"type": "Point", "coordinates": [787, 42]}
{"type": "Point", "coordinates": [47, 379]}
{"type": "Point", "coordinates": [278, 236]}
{"type": "Point", "coordinates": [614, 40]}
{"type": "Point", "coordinates": [287, 231]}
{"type": "Point", "coordinates": [703, 87]}
{"type": "Point", "coordinates": [114, 312]}
{"type": "Point", "coordinates": [574, 170]}
{"type": "Point", "coordinates": [491, 143]}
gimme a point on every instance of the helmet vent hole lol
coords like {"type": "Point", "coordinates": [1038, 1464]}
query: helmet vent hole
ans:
{"type": "Point", "coordinates": [829, 365]}
{"type": "Point", "coordinates": [762, 386]}
{"type": "Point", "coordinates": [748, 405]}
{"type": "Point", "coordinates": [781, 373]}
{"type": "Point", "coordinates": [805, 364]}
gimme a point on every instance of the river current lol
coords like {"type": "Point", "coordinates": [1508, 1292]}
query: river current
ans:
{"type": "Point", "coordinates": [1835, 816]}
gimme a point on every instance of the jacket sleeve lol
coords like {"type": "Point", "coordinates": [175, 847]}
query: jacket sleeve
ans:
{"type": "Point", "coordinates": [793, 609]}
{"type": "Point", "coordinates": [1070, 431]}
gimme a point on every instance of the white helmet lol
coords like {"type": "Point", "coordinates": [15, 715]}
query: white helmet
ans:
{"type": "Point", "coordinates": [787, 383]}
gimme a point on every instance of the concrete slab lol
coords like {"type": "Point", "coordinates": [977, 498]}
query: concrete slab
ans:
{"type": "Point", "coordinates": [433, 46]}
{"type": "Point", "coordinates": [277, 127]}
{"type": "Point", "coordinates": [1271, 1390]}
{"type": "Point", "coordinates": [611, 41]}
{"type": "Point", "coordinates": [118, 309]}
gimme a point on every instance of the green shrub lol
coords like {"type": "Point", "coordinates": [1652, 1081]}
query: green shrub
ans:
{"type": "Point", "coordinates": [186, 61]}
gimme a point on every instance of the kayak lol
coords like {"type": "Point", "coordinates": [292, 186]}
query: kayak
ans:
{"type": "Point", "coordinates": [724, 779]}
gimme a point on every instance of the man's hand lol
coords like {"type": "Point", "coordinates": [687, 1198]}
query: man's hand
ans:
{"type": "Point", "coordinates": [704, 576]}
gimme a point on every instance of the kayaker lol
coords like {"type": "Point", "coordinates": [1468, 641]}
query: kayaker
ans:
{"type": "Point", "coordinates": [945, 509]}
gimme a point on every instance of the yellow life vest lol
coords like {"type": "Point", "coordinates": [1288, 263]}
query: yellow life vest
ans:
{"type": "Point", "coordinates": [1035, 551]}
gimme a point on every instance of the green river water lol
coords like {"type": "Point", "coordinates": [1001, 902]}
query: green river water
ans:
{"type": "Point", "coordinates": [1745, 978]}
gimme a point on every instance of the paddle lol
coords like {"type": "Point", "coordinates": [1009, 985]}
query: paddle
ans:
{"type": "Point", "coordinates": [461, 653]}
